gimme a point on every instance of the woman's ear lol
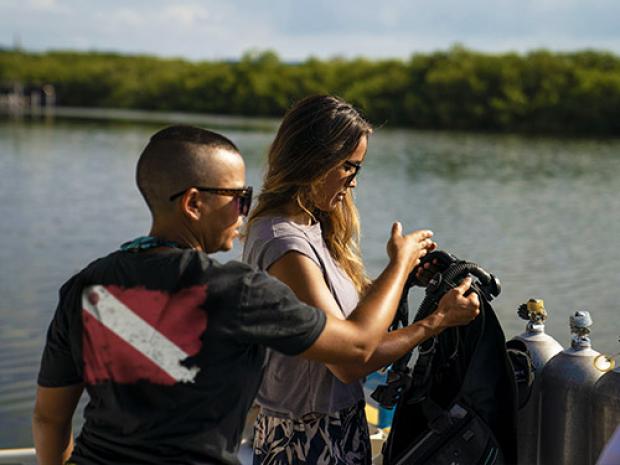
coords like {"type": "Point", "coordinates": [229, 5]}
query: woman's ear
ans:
{"type": "Point", "coordinates": [191, 204]}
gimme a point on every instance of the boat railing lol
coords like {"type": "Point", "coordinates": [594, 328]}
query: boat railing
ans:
{"type": "Point", "coordinates": [18, 456]}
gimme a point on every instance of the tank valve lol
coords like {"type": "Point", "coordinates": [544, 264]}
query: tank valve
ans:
{"type": "Point", "coordinates": [604, 362]}
{"type": "Point", "coordinates": [580, 324]}
{"type": "Point", "coordinates": [533, 311]}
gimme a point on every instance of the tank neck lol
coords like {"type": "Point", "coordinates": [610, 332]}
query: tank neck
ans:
{"type": "Point", "coordinates": [580, 342]}
{"type": "Point", "coordinates": [534, 328]}
{"type": "Point", "coordinates": [580, 323]}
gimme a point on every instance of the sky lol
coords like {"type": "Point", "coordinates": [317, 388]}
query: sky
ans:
{"type": "Point", "coordinates": [298, 29]}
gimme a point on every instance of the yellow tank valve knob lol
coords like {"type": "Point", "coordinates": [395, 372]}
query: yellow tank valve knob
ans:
{"type": "Point", "coordinates": [533, 311]}
{"type": "Point", "coordinates": [536, 306]}
{"type": "Point", "coordinates": [604, 362]}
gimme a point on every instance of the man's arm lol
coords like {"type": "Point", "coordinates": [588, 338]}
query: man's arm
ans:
{"type": "Point", "coordinates": [355, 340]}
{"type": "Point", "coordinates": [51, 423]}
{"type": "Point", "coordinates": [306, 280]}
{"type": "Point", "coordinates": [454, 309]}
{"type": "Point", "coordinates": [336, 346]}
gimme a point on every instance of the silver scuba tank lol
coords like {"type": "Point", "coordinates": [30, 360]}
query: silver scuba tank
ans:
{"type": "Point", "coordinates": [567, 382]}
{"type": "Point", "coordinates": [605, 403]}
{"type": "Point", "coordinates": [541, 347]}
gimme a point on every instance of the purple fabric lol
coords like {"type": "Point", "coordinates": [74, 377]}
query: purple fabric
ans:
{"type": "Point", "coordinates": [293, 386]}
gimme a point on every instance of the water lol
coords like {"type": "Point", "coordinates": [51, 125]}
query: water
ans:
{"type": "Point", "coordinates": [543, 214]}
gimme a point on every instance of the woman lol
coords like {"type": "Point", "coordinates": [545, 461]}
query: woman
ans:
{"type": "Point", "coordinates": [305, 231]}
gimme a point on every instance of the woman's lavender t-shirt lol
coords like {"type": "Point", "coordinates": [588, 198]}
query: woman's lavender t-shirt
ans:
{"type": "Point", "coordinates": [294, 386]}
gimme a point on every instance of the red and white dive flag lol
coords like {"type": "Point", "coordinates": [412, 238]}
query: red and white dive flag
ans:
{"type": "Point", "coordinates": [134, 334]}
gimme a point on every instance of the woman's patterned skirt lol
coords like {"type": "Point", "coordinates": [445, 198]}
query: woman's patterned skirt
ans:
{"type": "Point", "coordinates": [340, 438]}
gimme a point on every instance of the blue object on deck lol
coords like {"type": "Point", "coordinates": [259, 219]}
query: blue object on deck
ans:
{"type": "Point", "coordinates": [384, 415]}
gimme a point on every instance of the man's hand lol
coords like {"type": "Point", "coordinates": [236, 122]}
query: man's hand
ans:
{"type": "Point", "coordinates": [455, 308]}
{"type": "Point", "coordinates": [409, 249]}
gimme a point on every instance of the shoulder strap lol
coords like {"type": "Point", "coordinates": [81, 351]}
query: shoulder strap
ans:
{"type": "Point", "coordinates": [421, 381]}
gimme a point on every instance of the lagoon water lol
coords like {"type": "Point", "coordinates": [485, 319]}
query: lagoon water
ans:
{"type": "Point", "coordinates": [541, 213]}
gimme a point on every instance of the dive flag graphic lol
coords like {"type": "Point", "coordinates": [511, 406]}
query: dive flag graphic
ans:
{"type": "Point", "coordinates": [133, 334]}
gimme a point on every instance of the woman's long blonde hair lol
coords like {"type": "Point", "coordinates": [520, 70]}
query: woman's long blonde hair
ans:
{"type": "Point", "coordinates": [317, 134]}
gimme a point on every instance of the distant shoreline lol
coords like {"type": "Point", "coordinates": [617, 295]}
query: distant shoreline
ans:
{"type": "Point", "coordinates": [541, 92]}
{"type": "Point", "coordinates": [122, 116]}
{"type": "Point", "coordinates": [149, 116]}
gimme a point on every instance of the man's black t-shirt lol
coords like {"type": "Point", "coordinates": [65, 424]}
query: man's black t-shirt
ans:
{"type": "Point", "coordinates": [170, 348]}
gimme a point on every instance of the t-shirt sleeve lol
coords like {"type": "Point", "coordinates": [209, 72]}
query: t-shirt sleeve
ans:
{"type": "Point", "coordinates": [58, 367]}
{"type": "Point", "coordinates": [276, 247]}
{"type": "Point", "coordinates": [270, 314]}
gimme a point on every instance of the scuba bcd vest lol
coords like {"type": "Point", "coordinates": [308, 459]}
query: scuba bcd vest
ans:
{"type": "Point", "coordinates": [458, 406]}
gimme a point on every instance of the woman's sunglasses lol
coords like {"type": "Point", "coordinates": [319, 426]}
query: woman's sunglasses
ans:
{"type": "Point", "coordinates": [356, 167]}
{"type": "Point", "coordinates": [242, 194]}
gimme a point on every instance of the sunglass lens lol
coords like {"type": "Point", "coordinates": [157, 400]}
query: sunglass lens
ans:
{"type": "Point", "coordinates": [245, 201]}
{"type": "Point", "coordinates": [351, 178]}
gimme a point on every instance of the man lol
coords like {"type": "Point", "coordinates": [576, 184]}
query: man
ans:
{"type": "Point", "coordinates": [169, 343]}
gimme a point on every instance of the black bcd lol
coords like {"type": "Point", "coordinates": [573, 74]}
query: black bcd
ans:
{"type": "Point", "coordinates": [458, 404]}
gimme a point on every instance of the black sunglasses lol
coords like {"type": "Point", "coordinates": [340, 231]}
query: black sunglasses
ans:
{"type": "Point", "coordinates": [242, 194]}
{"type": "Point", "coordinates": [353, 166]}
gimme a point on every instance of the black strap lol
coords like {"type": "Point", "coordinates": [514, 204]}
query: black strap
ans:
{"type": "Point", "coordinates": [421, 376]}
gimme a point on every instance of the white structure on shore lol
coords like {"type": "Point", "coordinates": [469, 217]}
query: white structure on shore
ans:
{"type": "Point", "coordinates": [17, 98]}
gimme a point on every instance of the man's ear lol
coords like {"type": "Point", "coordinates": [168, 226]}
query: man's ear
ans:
{"type": "Point", "coordinates": [191, 204]}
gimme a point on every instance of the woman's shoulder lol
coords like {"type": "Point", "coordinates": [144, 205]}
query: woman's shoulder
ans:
{"type": "Point", "coordinates": [275, 226]}
{"type": "Point", "coordinates": [270, 237]}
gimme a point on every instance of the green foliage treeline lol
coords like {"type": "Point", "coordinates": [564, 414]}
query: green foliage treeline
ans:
{"type": "Point", "coordinates": [455, 89]}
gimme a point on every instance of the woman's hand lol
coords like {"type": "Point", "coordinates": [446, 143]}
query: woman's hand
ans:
{"type": "Point", "coordinates": [456, 308]}
{"type": "Point", "coordinates": [409, 249]}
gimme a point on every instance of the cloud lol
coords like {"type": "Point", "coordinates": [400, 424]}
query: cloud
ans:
{"type": "Point", "coordinates": [43, 5]}
{"type": "Point", "coordinates": [128, 17]}
{"type": "Point", "coordinates": [178, 17]}
{"type": "Point", "coordinates": [187, 15]}
{"type": "Point", "coordinates": [296, 29]}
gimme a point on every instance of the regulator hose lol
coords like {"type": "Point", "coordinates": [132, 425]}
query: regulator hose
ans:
{"type": "Point", "coordinates": [438, 271]}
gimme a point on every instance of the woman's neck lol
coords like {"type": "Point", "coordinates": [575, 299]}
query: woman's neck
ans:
{"type": "Point", "coordinates": [292, 212]}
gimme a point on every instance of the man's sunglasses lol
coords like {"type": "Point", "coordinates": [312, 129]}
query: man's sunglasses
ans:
{"type": "Point", "coordinates": [242, 194]}
{"type": "Point", "coordinates": [356, 167]}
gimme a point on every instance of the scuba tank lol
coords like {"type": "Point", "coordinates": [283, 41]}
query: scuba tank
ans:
{"type": "Point", "coordinates": [566, 387]}
{"type": "Point", "coordinates": [605, 403]}
{"type": "Point", "coordinates": [537, 347]}
{"type": "Point", "coordinates": [458, 404]}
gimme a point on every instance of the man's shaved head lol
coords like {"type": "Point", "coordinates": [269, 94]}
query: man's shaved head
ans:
{"type": "Point", "coordinates": [179, 157]}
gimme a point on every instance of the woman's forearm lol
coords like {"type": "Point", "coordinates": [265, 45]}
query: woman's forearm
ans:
{"type": "Point", "coordinates": [454, 309]}
{"type": "Point", "coordinates": [375, 311]}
